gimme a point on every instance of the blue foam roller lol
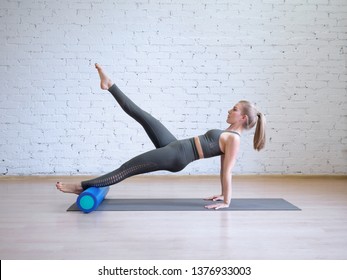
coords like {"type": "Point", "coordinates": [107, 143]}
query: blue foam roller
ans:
{"type": "Point", "coordinates": [90, 199]}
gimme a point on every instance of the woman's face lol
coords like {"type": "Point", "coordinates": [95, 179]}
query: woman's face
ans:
{"type": "Point", "coordinates": [235, 115]}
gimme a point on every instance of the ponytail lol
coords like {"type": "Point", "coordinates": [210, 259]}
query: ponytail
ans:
{"type": "Point", "coordinates": [254, 117]}
{"type": "Point", "coordinates": [259, 136]}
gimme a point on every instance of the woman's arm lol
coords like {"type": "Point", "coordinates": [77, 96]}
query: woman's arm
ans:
{"type": "Point", "coordinates": [227, 163]}
{"type": "Point", "coordinates": [221, 172]}
{"type": "Point", "coordinates": [219, 197]}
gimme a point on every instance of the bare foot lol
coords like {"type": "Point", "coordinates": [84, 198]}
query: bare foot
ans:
{"type": "Point", "coordinates": [69, 188]}
{"type": "Point", "coordinates": [105, 81]}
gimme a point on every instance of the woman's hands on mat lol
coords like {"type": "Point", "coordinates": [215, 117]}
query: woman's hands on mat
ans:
{"type": "Point", "coordinates": [217, 206]}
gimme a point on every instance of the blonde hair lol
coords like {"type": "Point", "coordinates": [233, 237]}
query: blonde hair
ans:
{"type": "Point", "coordinates": [254, 117]}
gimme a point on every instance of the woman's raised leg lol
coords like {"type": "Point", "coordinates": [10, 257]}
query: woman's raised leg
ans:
{"type": "Point", "coordinates": [156, 131]}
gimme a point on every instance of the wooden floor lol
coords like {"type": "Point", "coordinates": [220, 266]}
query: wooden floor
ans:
{"type": "Point", "coordinates": [34, 223]}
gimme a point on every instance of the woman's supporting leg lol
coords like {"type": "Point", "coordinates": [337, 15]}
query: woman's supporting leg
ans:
{"type": "Point", "coordinates": [69, 188]}
{"type": "Point", "coordinates": [157, 132]}
{"type": "Point", "coordinates": [173, 157]}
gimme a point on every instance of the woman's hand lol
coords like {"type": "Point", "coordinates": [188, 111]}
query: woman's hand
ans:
{"type": "Point", "coordinates": [215, 198]}
{"type": "Point", "coordinates": [217, 206]}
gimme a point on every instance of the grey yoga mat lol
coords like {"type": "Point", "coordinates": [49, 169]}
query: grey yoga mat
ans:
{"type": "Point", "coordinates": [187, 204]}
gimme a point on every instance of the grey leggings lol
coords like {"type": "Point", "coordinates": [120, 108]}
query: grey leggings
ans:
{"type": "Point", "coordinates": [170, 154]}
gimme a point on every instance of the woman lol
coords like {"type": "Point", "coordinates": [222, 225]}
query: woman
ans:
{"type": "Point", "coordinates": [174, 155]}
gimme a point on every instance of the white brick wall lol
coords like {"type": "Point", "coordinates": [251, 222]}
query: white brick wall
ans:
{"type": "Point", "coordinates": [185, 61]}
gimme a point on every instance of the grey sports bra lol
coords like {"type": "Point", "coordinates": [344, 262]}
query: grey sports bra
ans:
{"type": "Point", "coordinates": [210, 142]}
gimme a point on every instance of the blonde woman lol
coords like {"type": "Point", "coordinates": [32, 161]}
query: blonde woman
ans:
{"type": "Point", "coordinates": [174, 155]}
